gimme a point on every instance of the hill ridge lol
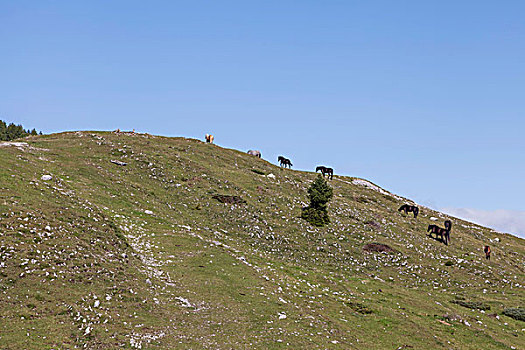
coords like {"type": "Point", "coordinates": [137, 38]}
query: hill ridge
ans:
{"type": "Point", "coordinates": [142, 256]}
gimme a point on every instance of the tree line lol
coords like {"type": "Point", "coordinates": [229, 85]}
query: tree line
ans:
{"type": "Point", "coordinates": [11, 131]}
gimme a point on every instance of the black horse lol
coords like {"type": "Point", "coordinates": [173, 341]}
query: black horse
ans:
{"type": "Point", "coordinates": [285, 161]}
{"type": "Point", "coordinates": [325, 170]}
{"type": "Point", "coordinates": [444, 233]}
{"type": "Point", "coordinates": [409, 209]}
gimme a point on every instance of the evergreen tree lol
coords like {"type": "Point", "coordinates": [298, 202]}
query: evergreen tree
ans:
{"type": "Point", "coordinates": [319, 193]}
{"type": "Point", "coordinates": [12, 131]}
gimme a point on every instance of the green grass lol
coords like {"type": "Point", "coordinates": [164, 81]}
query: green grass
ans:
{"type": "Point", "coordinates": [172, 267]}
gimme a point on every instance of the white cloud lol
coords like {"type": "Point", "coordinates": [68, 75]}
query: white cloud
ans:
{"type": "Point", "coordinates": [511, 221]}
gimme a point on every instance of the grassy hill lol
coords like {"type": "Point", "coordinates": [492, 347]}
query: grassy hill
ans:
{"type": "Point", "coordinates": [143, 255]}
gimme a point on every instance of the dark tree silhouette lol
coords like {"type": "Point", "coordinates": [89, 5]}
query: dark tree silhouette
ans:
{"type": "Point", "coordinates": [12, 131]}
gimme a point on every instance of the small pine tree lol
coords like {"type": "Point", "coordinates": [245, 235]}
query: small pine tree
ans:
{"type": "Point", "coordinates": [319, 193]}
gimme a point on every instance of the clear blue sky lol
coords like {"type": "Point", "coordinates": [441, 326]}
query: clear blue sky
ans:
{"type": "Point", "coordinates": [425, 98]}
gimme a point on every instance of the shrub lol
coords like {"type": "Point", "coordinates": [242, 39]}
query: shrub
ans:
{"type": "Point", "coordinates": [319, 193]}
{"type": "Point", "coordinates": [516, 313]}
{"type": "Point", "coordinates": [315, 217]}
{"type": "Point", "coordinates": [471, 304]}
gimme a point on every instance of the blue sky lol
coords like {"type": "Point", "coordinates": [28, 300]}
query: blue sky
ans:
{"type": "Point", "coordinates": [424, 98]}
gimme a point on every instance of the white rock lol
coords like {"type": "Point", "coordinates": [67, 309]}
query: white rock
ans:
{"type": "Point", "coordinates": [282, 316]}
{"type": "Point", "coordinates": [433, 218]}
{"type": "Point", "coordinates": [97, 303]}
{"type": "Point", "coordinates": [148, 212]}
{"type": "Point", "coordinates": [271, 176]}
{"type": "Point", "coordinates": [48, 228]}
{"type": "Point", "coordinates": [46, 177]}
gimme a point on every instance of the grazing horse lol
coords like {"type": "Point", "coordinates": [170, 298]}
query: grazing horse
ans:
{"type": "Point", "coordinates": [444, 233]}
{"type": "Point", "coordinates": [487, 252]}
{"type": "Point", "coordinates": [409, 208]}
{"type": "Point", "coordinates": [325, 170]}
{"type": "Point", "coordinates": [285, 161]}
{"type": "Point", "coordinates": [209, 138]}
{"type": "Point", "coordinates": [254, 153]}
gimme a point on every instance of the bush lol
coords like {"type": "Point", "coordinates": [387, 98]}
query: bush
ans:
{"type": "Point", "coordinates": [315, 217]}
{"type": "Point", "coordinates": [319, 193]}
{"type": "Point", "coordinates": [471, 304]}
{"type": "Point", "coordinates": [516, 313]}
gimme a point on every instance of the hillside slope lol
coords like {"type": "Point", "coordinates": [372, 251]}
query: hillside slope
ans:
{"type": "Point", "coordinates": [143, 255]}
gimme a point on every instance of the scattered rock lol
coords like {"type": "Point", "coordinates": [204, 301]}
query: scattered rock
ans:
{"type": "Point", "coordinates": [271, 176]}
{"type": "Point", "coordinates": [118, 162]}
{"type": "Point", "coordinates": [46, 177]}
{"type": "Point", "coordinates": [149, 212]}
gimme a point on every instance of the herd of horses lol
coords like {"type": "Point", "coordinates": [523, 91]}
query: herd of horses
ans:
{"type": "Point", "coordinates": [442, 233]}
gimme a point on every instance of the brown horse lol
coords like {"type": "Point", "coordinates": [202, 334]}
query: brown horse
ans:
{"type": "Point", "coordinates": [325, 170]}
{"type": "Point", "coordinates": [409, 209]}
{"type": "Point", "coordinates": [487, 252]}
{"type": "Point", "coordinates": [444, 233]}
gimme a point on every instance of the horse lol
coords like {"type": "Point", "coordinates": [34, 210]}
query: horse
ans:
{"type": "Point", "coordinates": [209, 138]}
{"type": "Point", "coordinates": [325, 170]}
{"type": "Point", "coordinates": [254, 153]}
{"type": "Point", "coordinates": [409, 208]}
{"type": "Point", "coordinates": [487, 252]}
{"type": "Point", "coordinates": [444, 233]}
{"type": "Point", "coordinates": [284, 161]}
